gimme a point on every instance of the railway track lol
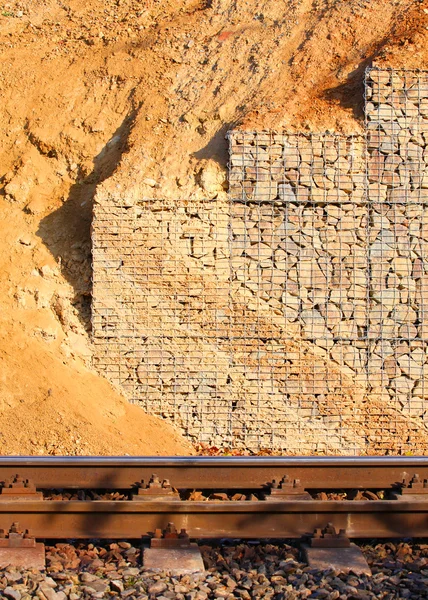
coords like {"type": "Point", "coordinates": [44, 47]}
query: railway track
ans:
{"type": "Point", "coordinates": [276, 496]}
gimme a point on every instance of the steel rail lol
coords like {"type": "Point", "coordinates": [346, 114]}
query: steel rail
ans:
{"type": "Point", "coordinates": [214, 472]}
{"type": "Point", "coordinates": [127, 519]}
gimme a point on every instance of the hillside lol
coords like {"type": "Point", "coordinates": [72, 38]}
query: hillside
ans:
{"type": "Point", "coordinates": [136, 97]}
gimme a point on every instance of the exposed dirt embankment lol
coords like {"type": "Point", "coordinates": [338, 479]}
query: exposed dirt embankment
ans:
{"type": "Point", "coordinates": [50, 402]}
{"type": "Point", "coordinates": [136, 97]}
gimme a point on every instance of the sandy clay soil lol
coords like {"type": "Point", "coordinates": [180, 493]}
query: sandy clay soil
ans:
{"type": "Point", "coordinates": [137, 96]}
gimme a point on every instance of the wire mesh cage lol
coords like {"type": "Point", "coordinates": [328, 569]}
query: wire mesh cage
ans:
{"type": "Point", "coordinates": [397, 193]}
{"type": "Point", "coordinates": [290, 315]}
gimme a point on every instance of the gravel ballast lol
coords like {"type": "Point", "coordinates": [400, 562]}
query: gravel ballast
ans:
{"type": "Point", "coordinates": [234, 570]}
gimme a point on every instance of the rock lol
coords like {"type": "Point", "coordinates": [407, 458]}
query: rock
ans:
{"type": "Point", "coordinates": [10, 592]}
{"type": "Point", "coordinates": [117, 585]}
{"type": "Point", "coordinates": [131, 572]}
{"type": "Point", "coordinates": [379, 76]}
{"type": "Point", "coordinates": [344, 182]}
{"type": "Point", "coordinates": [314, 324]}
{"type": "Point", "coordinates": [265, 191]}
{"type": "Point", "coordinates": [291, 157]}
{"type": "Point", "coordinates": [409, 367]}
{"type": "Point", "coordinates": [157, 588]}
{"type": "Point", "coordinates": [18, 189]}
{"type": "Point", "coordinates": [47, 272]}
{"type": "Point", "coordinates": [259, 251]}
{"type": "Point", "coordinates": [402, 265]}
{"type": "Point", "coordinates": [50, 582]}
{"type": "Point", "coordinates": [241, 160]}
{"type": "Point", "coordinates": [421, 390]}
{"type": "Point", "coordinates": [48, 592]}
{"type": "Point", "coordinates": [150, 182]}
{"type": "Point", "coordinates": [212, 178]}
{"type": "Point", "coordinates": [286, 192]}
{"type": "Point", "coordinates": [129, 592]}
{"type": "Point", "coordinates": [310, 275]}
{"type": "Point", "coordinates": [26, 239]}
{"type": "Point", "coordinates": [375, 166]}
{"type": "Point", "coordinates": [88, 577]}
{"type": "Point", "coordinates": [78, 344]}
{"type": "Point", "coordinates": [402, 385]}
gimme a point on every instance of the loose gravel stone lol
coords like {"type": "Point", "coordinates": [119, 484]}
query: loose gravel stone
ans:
{"type": "Point", "coordinates": [248, 571]}
{"type": "Point", "coordinates": [157, 588]}
{"type": "Point", "coordinates": [117, 585]}
{"type": "Point", "coordinates": [11, 593]}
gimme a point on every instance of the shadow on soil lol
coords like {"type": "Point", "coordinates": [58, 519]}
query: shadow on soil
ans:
{"type": "Point", "coordinates": [66, 232]}
{"type": "Point", "coordinates": [350, 94]}
{"type": "Point", "coordinates": [217, 147]}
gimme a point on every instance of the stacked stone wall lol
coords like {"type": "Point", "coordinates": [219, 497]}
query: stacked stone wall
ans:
{"type": "Point", "coordinates": [290, 316]}
{"type": "Point", "coordinates": [397, 136]}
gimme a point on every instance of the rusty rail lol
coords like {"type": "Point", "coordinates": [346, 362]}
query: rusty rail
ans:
{"type": "Point", "coordinates": [213, 472]}
{"type": "Point", "coordinates": [99, 519]}
{"type": "Point", "coordinates": [290, 511]}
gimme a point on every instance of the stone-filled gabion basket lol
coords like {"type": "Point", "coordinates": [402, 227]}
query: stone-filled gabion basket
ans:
{"type": "Point", "coordinates": [290, 315]}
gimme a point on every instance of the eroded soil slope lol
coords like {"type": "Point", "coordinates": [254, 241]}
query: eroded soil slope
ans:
{"type": "Point", "coordinates": [115, 96]}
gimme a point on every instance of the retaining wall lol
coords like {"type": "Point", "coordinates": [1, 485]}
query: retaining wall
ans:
{"type": "Point", "coordinates": [292, 315]}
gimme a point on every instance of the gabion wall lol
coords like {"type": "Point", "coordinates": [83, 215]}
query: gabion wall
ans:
{"type": "Point", "coordinates": [397, 136]}
{"type": "Point", "coordinates": [290, 316]}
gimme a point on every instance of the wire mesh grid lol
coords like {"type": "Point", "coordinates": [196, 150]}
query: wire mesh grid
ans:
{"type": "Point", "coordinates": [349, 271]}
{"type": "Point", "coordinates": [161, 315]}
{"type": "Point", "coordinates": [290, 316]}
{"type": "Point", "coordinates": [397, 136]}
{"type": "Point", "coordinates": [299, 276]}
